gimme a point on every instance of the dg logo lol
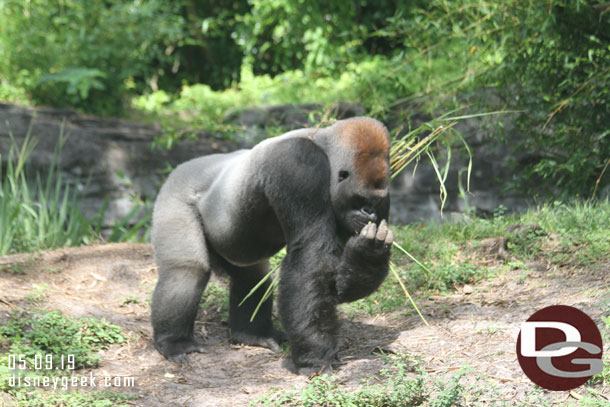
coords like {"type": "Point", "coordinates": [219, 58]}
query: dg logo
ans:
{"type": "Point", "coordinates": [560, 348]}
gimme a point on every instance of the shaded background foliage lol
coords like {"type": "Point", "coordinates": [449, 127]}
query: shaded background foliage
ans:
{"type": "Point", "coordinates": [550, 60]}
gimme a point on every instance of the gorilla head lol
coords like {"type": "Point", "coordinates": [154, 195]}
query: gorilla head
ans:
{"type": "Point", "coordinates": [322, 193]}
{"type": "Point", "coordinates": [359, 174]}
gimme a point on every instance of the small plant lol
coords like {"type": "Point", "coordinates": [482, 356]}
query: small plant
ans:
{"type": "Point", "coordinates": [38, 294]}
{"type": "Point", "coordinates": [525, 242]}
{"type": "Point", "coordinates": [450, 394]}
{"type": "Point", "coordinates": [56, 334]}
{"type": "Point", "coordinates": [64, 343]}
{"type": "Point", "coordinates": [604, 377]}
{"type": "Point", "coordinates": [19, 267]}
{"type": "Point", "coordinates": [216, 297]}
{"type": "Point", "coordinates": [78, 82]}
{"type": "Point", "coordinates": [132, 299]}
{"type": "Point", "coordinates": [402, 383]}
{"type": "Point", "coordinates": [395, 386]}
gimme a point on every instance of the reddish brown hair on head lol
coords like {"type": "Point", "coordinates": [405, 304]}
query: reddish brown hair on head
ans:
{"type": "Point", "coordinates": [370, 142]}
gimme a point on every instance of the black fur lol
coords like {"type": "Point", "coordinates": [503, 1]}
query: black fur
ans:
{"type": "Point", "coordinates": [231, 212]}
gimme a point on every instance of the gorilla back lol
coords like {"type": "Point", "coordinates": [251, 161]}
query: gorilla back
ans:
{"type": "Point", "coordinates": [322, 193]}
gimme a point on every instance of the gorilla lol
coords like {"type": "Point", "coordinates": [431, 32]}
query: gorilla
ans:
{"type": "Point", "coordinates": [321, 192]}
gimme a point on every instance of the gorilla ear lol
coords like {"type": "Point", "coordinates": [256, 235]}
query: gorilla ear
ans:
{"type": "Point", "coordinates": [343, 175]}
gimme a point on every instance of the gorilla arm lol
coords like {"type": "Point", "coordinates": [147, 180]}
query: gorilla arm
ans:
{"type": "Point", "coordinates": [296, 181]}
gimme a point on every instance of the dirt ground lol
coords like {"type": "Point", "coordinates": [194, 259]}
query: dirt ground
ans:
{"type": "Point", "coordinates": [476, 326]}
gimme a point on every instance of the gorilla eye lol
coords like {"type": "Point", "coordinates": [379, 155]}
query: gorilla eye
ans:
{"type": "Point", "coordinates": [343, 175]}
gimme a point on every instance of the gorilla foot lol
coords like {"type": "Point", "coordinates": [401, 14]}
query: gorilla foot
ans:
{"type": "Point", "coordinates": [312, 372]}
{"type": "Point", "coordinates": [316, 369]}
{"type": "Point", "coordinates": [271, 341]}
{"type": "Point", "coordinates": [176, 350]}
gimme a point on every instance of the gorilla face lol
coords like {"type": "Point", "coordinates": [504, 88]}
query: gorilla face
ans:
{"type": "Point", "coordinates": [356, 204]}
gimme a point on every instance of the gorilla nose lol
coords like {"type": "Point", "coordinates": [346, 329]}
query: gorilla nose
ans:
{"type": "Point", "coordinates": [369, 212]}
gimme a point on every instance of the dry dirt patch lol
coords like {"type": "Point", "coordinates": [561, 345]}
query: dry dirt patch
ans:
{"type": "Point", "coordinates": [476, 326]}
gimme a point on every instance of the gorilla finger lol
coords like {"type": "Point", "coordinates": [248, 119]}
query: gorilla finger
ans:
{"type": "Point", "coordinates": [369, 231]}
{"type": "Point", "coordinates": [382, 231]}
{"type": "Point", "coordinates": [389, 239]}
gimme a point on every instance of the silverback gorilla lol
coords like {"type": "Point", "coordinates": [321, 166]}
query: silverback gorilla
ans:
{"type": "Point", "coordinates": [322, 193]}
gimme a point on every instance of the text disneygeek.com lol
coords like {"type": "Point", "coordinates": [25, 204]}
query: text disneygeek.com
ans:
{"type": "Point", "coordinates": [64, 383]}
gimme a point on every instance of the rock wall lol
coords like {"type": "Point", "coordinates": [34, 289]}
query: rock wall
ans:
{"type": "Point", "coordinates": [113, 158]}
{"type": "Point", "coordinates": [417, 197]}
{"type": "Point", "coordinates": [101, 157]}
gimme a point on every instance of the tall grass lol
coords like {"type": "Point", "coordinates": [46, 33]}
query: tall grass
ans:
{"type": "Point", "coordinates": [37, 213]}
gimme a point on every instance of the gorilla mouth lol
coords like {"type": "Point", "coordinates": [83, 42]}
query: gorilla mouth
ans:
{"type": "Point", "coordinates": [357, 224]}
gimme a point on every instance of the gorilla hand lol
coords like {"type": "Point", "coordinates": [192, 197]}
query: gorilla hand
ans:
{"type": "Point", "coordinates": [377, 239]}
{"type": "Point", "coordinates": [364, 263]}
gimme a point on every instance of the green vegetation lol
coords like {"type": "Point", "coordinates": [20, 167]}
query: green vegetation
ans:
{"type": "Point", "coordinates": [83, 54]}
{"type": "Point", "coordinates": [53, 333]}
{"type": "Point", "coordinates": [38, 214]}
{"type": "Point", "coordinates": [569, 234]}
{"type": "Point", "coordinates": [104, 398]}
{"type": "Point", "coordinates": [216, 297]}
{"type": "Point", "coordinates": [188, 63]}
{"type": "Point", "coordinates": [36, 344]}
{"type": "Point", "coordinates": [395, 386]}
{"type": "Point", "coordinates": [604, 377]}
{"type": "Point", "coordinates": [403, 383]}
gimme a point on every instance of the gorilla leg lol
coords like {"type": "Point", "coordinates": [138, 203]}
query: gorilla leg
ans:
{"type": "Point", "coordinates": [259, 331]}
{"type": "Point", "coordinates": [184, 271]}
{"type": "Point", "coordinates": [174, 308]}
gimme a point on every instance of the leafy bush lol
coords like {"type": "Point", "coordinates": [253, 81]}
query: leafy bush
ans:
{"type": "Point", "coordinates": [556, 68]}
{"type": "Point", "coordinates": [549, 62]}
{"type": "Point", "coordinates": [85, 54]}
